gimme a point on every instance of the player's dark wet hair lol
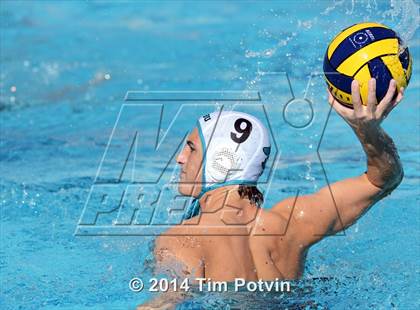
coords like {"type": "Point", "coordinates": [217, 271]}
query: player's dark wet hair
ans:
{"type": "Point", "coordinates": [252, 193]}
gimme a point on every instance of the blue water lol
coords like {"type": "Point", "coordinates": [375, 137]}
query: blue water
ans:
{"type": "Point", "coordinates": [65, 69]}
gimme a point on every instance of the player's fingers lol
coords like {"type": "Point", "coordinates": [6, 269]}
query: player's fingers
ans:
{"type": "Point", "coordinates": [355, 96]}
{"type": "Point", "coordinates": [389, 94]}
{"type": "Point", "coordinates": [340, 109]}
{"type": "Point", "coordinates": [400, 95]}
{"type": "Point", "coordinates": [387, 102]}
{"type": "Point", "coordinates": [330, 97]}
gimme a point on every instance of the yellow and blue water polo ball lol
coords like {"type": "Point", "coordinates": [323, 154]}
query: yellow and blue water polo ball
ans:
{"type": "Point", "coordinates": [361, 52]}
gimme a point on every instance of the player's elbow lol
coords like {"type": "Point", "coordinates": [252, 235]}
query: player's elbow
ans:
{"type": "Point", "coordinates": [400, 176]}
{"type": "Point", "coordinates": [397, 179]}
{"type": "Point", "coordinates": [393, 181]}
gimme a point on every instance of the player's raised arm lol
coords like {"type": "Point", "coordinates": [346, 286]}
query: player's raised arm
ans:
{"type": "Point", "coordinates": [336, 207]}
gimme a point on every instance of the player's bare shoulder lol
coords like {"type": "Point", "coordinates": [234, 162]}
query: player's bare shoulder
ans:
{"type": "Point", "coordinates": [278, 227]}
{"type": "Point", "coordinates": [179, 237]}
{"type": "Point", "coordinates": [269, 224]}
{"type": "Point", "coordinates": [178, 250]}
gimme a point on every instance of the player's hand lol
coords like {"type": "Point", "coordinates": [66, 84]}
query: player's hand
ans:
{"type": "Point", "coordinates": [371, 115]}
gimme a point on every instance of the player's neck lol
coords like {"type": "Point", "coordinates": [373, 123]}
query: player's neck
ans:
{"type": "Point", "coordinates": [226, 204]}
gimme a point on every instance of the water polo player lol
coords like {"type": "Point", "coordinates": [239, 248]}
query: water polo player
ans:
{"type": "Point", "coordinates": [220, 165]}
{"type": "Point", "coordinates": [226, 153]}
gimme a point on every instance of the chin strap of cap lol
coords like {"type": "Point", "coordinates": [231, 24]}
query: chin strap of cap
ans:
{"type": "Point", "coordinates": [193, 209]}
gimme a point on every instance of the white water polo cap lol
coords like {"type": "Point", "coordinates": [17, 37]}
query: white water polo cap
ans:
{"type": "Point", "coordinates": [236, 147]}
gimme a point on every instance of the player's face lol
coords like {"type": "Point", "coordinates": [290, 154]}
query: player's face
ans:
{"type": "Point", "coordinates": [190, 161]}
